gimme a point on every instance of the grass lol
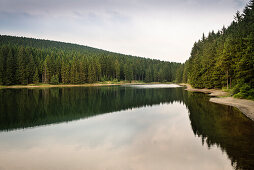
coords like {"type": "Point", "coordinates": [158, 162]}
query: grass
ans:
{"type": "Point", "coordinates": [229, 91]}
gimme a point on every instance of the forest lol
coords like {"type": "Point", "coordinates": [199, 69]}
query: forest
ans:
{"type": "Point", "coordinates": [32, 61]}
{"type": "Point", "coordinates": [224, 59]}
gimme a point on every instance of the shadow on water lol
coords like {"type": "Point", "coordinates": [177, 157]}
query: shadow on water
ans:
{"type": "Point", "coordinates": [21, 108]}
{"type": "Point", "coordinates": [216, 125]}
{"type": "Point", "coordinates": [223, 126]}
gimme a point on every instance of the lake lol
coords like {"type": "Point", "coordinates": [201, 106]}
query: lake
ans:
{"type": "Point", "coordinates": [131, 127]}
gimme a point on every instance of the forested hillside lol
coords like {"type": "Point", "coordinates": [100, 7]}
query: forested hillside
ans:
{"type": "Point", "coordinates": [225, 58]}
{"type": "Point", "coordinates": [26, 60]}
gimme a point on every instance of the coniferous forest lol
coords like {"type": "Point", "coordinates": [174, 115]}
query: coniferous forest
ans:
{"type": "Point", "coordinates": [32, 61]}
{"type": "Point", "coordinates": [221, 59]}
{"type": "Point", "coordinates": [224, 58]}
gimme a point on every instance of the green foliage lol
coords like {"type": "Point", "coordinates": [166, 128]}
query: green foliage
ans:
{"type": "Point", "coordinates": [10, 65]}
{"type": "Point", "coordinates": [236, 89]}
{"type": "Point", "coordinates": [36, 77]}
{"type": "Point", "coordinates": [74, 64]}
{"type": "Point", "coordinates": [245, 92]}
{"type": "Point", "coordinates": [54, 79]}
{"type": "Point", "coordinates": [115, 80]}
{"type": "Point", "coordinates": [225, 58]}
{"type": "Point", "coordinates": [91, 74]}
{"type": "Point", "coordinates": [21, 74]}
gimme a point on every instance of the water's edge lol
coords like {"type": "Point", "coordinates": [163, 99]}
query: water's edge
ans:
{"type": "Point", "coordinates": [245, 106]}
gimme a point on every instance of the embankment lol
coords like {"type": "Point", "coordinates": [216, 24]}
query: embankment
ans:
{"type": "Point", "coordinates": [221, 97]}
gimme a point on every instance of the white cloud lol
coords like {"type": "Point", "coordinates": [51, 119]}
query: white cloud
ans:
{"type": "Point", "coordinates": [164, 29]}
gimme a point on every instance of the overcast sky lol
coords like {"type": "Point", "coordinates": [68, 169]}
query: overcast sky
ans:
{"type": "Point", "coordinates": [160, 29]}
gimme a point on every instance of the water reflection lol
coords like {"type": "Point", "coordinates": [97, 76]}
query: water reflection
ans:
{"type": "Point", "coordinates": [151, 128]}
{"type": "Point", "coordinates": [149, 138]}
{"type": "Point", "coordinates": [223, 126]}
{"type": "Point", "coordinates": [22, 108]}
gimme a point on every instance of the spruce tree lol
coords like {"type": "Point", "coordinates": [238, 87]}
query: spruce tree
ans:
{"type": "Point", "coordinates": [36, 77]}
{"type": "Point", "coordinates": [1, 67]}
{"type": "Point", "coordinates": [46, 71]}
{"type": "Point", "coordinates": [83, 72]}
{"type": "Point", "coordinates": [21, 73]}
{"type": "Point", "coordinates": [117, 70]}
{"type": "Point", "coordinates": [31, 68]}
{"type": "Point", "coordinates": [10, 69]}
{"type": "Point", "coordinates": [91, 74]}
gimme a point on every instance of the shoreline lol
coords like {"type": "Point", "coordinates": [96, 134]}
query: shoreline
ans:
{"type": "Point", "coordinates": [75, 85]}
{"type": "Point", "coordinates": [59, 85]}
{"type": "Point", "coordinates": [220, 97]}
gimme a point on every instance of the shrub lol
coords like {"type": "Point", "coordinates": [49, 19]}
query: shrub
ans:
{"type": "Point", "coordinates": [244, 91]}
{"type": "Point", "coordinates": [115, 80]}
{"type": "Point", "coordinates": [236, 89]}
{"type": "Point", "coordinates": [239, 95]}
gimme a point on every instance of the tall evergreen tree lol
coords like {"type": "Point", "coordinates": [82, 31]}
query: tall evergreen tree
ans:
{"type": "Point", "coordinates": [21, 74]}
{"type": "Point", "coordinates": [91, 74]}
{"type": "Point", "coordinates": [36, 77]}
{"type": "Point", "coordinates": [10, 69]}
{"type": "Point", "coordinates": [1, 67]}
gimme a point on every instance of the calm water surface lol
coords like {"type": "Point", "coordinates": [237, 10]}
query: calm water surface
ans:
{"type": "Point", "coordinates": [150, 127]}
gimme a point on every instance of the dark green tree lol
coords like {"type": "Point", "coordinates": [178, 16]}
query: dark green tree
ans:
{"type": "Point", "coordinates": [36, 77]}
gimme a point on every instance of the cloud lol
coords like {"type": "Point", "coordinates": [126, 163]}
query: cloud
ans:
{"type": "Point", "coordinates": [164, 29]}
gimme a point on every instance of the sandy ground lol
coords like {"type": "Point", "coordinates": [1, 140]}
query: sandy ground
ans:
{"type": "Point", "coordinates": [245, 106]}
{"type": "Point", "coordinates": [210, 92]}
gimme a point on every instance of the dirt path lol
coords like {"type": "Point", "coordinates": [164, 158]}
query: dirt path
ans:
{"type": "Point", "coordinates": [245, 106]}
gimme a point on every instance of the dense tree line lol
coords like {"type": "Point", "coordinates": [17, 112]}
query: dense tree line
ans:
{"type": "Point", "coordinates": [225, 58]}
{"type": "Point", "coordinates": [32, 61]}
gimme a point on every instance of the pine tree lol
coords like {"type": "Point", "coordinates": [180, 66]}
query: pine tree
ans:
{"type": "Point", "coordinates": [83, 72]}
{"type": "Point", "coordinates": [46, 71]}
{"type": "Point", "coordinates": [72, 73]}
{"type": "Point", "coordinates": [36, 77]}
{"type": "Point", "coordinates": [54, 79]}
{"type": "Point", "coordinates": [91, 74]}
{"type": "Point", "coordinates": [179, 74]}
{"type": "Point", "coordinates": [65, 73]}
{"type": "Point", "coordinates": [148, 76]}
{"type": "Point", "coordinates": [21, 74]}
{"type": "Point", "coordinates": [30, 68]}
{"type": "Point", "coordinates": [10, 69]}
{"type": "Point", "coordinates": [1, 67]}
{"type": "Point", "coordinates": [98, 70]}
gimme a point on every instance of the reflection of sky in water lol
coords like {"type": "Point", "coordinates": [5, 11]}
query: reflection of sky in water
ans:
{"type": "Point", "coordinates": [157, 137]}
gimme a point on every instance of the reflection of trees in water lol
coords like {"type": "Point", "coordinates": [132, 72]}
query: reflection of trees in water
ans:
{"type": "Point", "coordinates": [224, 127]}
{"type": "Point", "coordinates": [22, 108]}
{"type": "Point", "coordinates": [215, 124]}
